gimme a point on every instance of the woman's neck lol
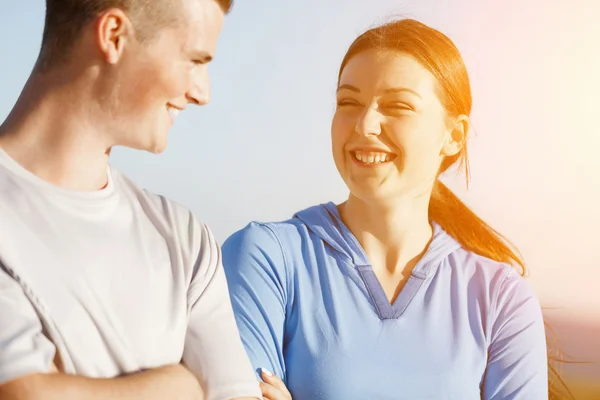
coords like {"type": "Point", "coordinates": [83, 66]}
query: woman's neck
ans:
{"type": "Point", "coordinates": [394, 235]}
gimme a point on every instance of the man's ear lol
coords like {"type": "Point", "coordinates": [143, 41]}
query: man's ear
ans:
{"type": "Point", "coordinates": [113, 30]}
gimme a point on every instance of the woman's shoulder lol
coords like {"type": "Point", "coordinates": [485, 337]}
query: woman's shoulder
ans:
{"type": "Point", "coordinates": [500, 282]}
{"type": "Point", "coordinates": [285, 234]}
{"type": "Point", "coordinates": [482, 267]}
{"type": "Point", "coordinates": [268, 233]}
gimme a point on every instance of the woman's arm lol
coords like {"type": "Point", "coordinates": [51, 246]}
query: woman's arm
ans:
{"type": "Point", "coordinates": [258, 284]}
{"type": "Point", "coordinates": [517, 356]}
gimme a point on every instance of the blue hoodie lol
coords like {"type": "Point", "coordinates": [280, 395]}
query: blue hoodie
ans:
{"type": "Point", "coordinates": [311, 310]}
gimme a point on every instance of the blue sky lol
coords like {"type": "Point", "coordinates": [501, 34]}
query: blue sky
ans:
{"type": "Point", "coordinates": [261, 150]}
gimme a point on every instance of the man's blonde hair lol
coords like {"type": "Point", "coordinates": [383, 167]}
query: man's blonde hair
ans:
{"type": "Point", "coordinates": [65, 19]}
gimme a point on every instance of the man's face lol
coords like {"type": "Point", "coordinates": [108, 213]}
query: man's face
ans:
{"type": "Point", "coordinates": [157, 79]}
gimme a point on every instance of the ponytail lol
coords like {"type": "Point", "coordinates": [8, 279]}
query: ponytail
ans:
{"type": "Point", "coordinates": [446, 209]}
{"type": "Point", "coordinates": [468, 229]}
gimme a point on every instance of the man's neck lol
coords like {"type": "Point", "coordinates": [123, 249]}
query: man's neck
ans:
{"type": "Point", "coordinates": [50, 133]}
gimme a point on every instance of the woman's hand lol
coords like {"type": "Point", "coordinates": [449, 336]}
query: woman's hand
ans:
{"type": "Point", "coordinates": [273, 388]}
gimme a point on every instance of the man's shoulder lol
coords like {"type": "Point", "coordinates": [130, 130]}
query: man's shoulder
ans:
{"type": "Point", "coordinates": [174, 221]}
{"type": "Point", "coordinates": [151, 202]}
{"type": "Point", "coordinates": [13, 194]}
{"type": "Point", "coordinates": [168, 215]}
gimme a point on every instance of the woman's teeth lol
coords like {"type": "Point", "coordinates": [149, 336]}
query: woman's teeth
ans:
{"type": "Point", "coordinates": [368, 157]}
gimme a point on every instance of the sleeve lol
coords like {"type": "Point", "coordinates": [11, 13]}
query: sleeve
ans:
{"type": "Point", "coordinates": [517, 366]}
{"type": "Point", "coordinates": [256, 273]}
{"type": "Point", "coordinates": [23, 347]}
{"type": "Point", "coordinates": [213, 350]}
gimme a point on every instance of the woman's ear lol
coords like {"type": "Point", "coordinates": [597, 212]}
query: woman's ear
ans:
{"type": "Point", "coordinates": [455, 139]}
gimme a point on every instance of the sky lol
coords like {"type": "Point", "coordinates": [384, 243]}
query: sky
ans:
{"type": "Point", "coordinates": [261, 149]}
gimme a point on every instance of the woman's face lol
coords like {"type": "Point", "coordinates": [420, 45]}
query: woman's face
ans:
{"type": "Point", "coordinates": [390, 132]}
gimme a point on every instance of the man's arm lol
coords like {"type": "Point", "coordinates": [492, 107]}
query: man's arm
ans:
{"type": "Point", "coordinates": [170, 382]}
{"type": "Point", "coordinates": [27, 371]}
{"type": "Point", "coordinates": [213, 347]}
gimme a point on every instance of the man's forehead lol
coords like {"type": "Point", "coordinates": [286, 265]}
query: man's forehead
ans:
{"type": "Point", "coordinates": [202, 12]}
{"type": "Point", "coordinates": [203, 20]}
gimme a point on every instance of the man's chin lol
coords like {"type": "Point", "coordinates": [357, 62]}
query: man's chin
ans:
{"type": "Point", "coordinates": [154, 147]}
{"type": "Point", "coordinates": [158, 148]}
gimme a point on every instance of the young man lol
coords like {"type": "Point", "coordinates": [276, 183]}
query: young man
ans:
{"type": "Point", "coordinates": [108, 291]}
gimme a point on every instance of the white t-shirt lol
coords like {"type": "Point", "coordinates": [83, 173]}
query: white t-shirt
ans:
{"type": "Point", "coordinates": [116, 280]}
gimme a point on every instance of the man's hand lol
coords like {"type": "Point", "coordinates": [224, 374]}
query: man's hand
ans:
{"type": "Point", "coordinates": [273, 388]}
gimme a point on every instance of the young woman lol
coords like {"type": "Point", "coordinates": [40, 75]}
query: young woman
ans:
{"type": "Point", "coordinates": [401, 292]}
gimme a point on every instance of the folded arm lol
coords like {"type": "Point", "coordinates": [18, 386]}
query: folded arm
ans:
{"type": "Point", "coordinates": [172, 382]}
{"type": "Point", "coordinates": [27, 371]}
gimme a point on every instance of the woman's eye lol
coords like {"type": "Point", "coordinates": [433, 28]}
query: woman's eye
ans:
{"type": "Point", "coordinates": [342, 103]}
{"type": "Point", "coordinates": [398, 106]}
